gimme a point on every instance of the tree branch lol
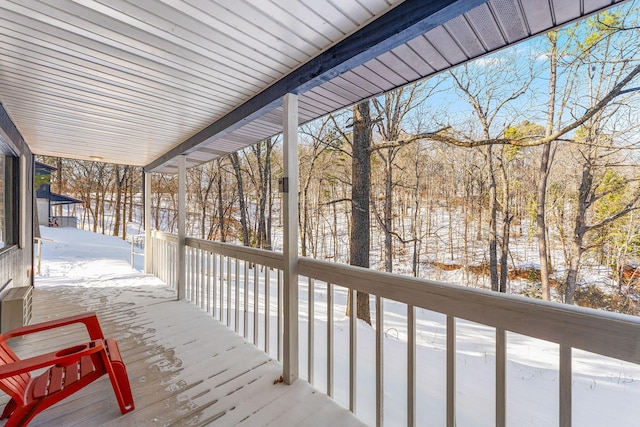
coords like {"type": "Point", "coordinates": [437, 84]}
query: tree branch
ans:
{"type": "Point", "coordinates": [333, 202]}
{"type": "Point", "coordinates": [629, 208]}
{"type": "Point", "coordinates": [527, 141]}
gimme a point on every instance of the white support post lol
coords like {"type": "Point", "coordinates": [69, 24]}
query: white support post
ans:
{"type": "Point", "coordinates": [148, 254]}
{"type": "Point", "coordinates": [290, 241]}
{"type": "Point", "coordinates": [182, 228]}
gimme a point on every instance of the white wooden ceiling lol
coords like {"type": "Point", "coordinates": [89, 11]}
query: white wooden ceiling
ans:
{"type": "Point", "coordinates": [130, 81]}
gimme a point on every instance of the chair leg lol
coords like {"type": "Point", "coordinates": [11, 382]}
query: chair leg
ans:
{"type": "Point", "coordinates": [118, 376]}
{"type": "Point", "coordinates": [22, 416]}
{"type": "Point", "coordinates": [123, 393]}
{"type": "Point", "coordinates": [8, 409]}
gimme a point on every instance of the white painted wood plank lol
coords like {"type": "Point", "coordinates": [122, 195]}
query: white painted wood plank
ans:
{"type": "Point", "coordinates": [290, 240]}
{"type": "Point", "coordinates": [353, 350]}
{"type": "Point", "coordinates": [278, 15]}
{"type": "Point", "coordinates": [411, 366]}
{"type": "Point", "coordinates": [393, 62]}
{"type": "Point", "coordinates": [311, 309]}
{"type": "Point", "coordinates": [565, 385]}
{"type": "Point", "coordinates": [501, 378]}
{"type": "Point", "coordinates": [379, 361]}
{"type": "Point", "coordinates": [118, 38]}
{"type": "Point", "coordinates": [465, 37]}
{"type": "Point", "coordinates": [447, 46]}
{"type": "Point", "coordinates": [451, 371]}
{"type": "Point", "coordinates": [332, 17]}
{"type": "Point", "coordinates": [251, 21]}
{"type": "Point", "coordinates": [256, 304]}
{"type": "Point", "coordinates": [245, 276]}
{"type": "Point", "coordinates": [187, 31]}
{"type": "Point", "coordinates": [392, 76]}
{"type": "Point", "coordinates": [182, 231]}
{"type": "Point", "coordinates": [329, 339]}
{"type": "Point", "coordinates": [45, 69]}
{"type": "Point", "coordinates": [236, 323]}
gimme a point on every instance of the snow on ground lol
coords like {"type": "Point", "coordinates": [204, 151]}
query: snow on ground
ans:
{"type": "Point", "coordinates": [605, 391]}
{"type": "Point", "coordinates": [80, 257]}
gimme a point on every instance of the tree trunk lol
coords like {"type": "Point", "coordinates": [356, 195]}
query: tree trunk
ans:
{"type": "Point", "coordinates": [203, 232]}
{"type": "Point", "coordinates": [269, 206]}
{"type": "Point", "coordinates": [493, 223]}
{"type": "Point", "coordinates": [305, 219]}
{"type": "Point", "coordinates": [131, 191]}
{"type": "Point", "coordinates": [360, 196]}
{"type": "Point", "coordinates": [415, 220]}
{"type": "Point", "coordinates": [575, 252]}
{"type": "Point", "coordinates": [506, 227]}
{"type": "Point", "coordinates": [118, 207]}
{"type": "Point", "coordinates": [545, 168]}
{"type": "Point", "coordinates": [235, 161]}
{"type": "Point", "coordinates": [265, 173]}
{"type": "Point", "coordinates": [580, 229]}
{"type": "Point", "coordinates": [221, 222]}
{"type": "Point", "coordinates": [541, 224]}
{"type": "Point", "coordinates": [388, 203]}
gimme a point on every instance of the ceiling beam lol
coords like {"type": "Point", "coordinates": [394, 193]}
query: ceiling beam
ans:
{"type": "Point", "coordinates": [401, 24]}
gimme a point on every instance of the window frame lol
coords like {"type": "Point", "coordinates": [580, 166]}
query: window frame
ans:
{"type": "Point", "coordinates": [11, 194]}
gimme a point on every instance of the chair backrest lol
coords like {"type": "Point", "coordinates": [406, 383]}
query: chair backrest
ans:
{"type": "Point", "coordinates": [16, 385]}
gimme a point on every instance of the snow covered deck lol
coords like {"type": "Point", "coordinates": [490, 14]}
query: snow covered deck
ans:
{"type": "Point", "coordinates": [185, 367]}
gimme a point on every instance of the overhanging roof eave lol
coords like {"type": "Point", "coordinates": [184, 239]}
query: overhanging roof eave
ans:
{"type": "Point", "coordinates": [401, 24]}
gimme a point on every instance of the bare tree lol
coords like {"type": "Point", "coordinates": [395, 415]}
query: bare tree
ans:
{"type": "Point", "coordinates": [360, 196]}
{"type": "Point", "coordinates": [203, 178]}
{"type": "Point", "coordinates": [120, 190]}
{"type": "Point", "coordinates": [235, 162]}
{"type": "Point", "coordinates": [391, 113]}
{"type": "Point", "coordinates": [489, 90]}
{"type": "Point", "coordinates": [258, 168]}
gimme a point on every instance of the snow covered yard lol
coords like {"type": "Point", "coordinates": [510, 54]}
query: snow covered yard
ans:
{"type": "Point", "coordinates": [186, 368]}
{"type": "Point", "coordinates": [605, 391]}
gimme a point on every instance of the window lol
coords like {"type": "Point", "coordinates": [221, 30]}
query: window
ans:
{"type": "Point", "coordinates": [8, 201]}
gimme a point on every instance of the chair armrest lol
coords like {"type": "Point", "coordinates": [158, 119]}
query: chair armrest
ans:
{"type": "Point", "coordinates": [59, 357]}
{"type": "Point", "coordinates": [90, 320]}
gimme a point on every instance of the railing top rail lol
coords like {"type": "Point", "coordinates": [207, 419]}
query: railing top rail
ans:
{"type": "Point", "coordinates": [173, 238]}
{"type": "Point", "coordinates": [259, 256]}
{"type": "Point", "coordinates": [609, 334]}
{"type": "Point", "coordinates": [264, 257]}
{"type": "Point", "coordinates": [42, 239]}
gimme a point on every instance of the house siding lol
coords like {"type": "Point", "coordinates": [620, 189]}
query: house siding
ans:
{"type": "Point", "coordinates": [16, 259]}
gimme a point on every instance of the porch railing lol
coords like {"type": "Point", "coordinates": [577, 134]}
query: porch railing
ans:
{"type": "Point", "coordinates": [164, 251]}
{"type": "Point", "coordinates": [242, 287]}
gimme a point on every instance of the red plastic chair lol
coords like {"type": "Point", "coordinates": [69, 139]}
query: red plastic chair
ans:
{"type": "Point", "coordinates": [68, 370]}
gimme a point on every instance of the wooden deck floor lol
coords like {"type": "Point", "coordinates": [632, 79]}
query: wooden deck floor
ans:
{"type": "Point", "coordinates": [185, 368]}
